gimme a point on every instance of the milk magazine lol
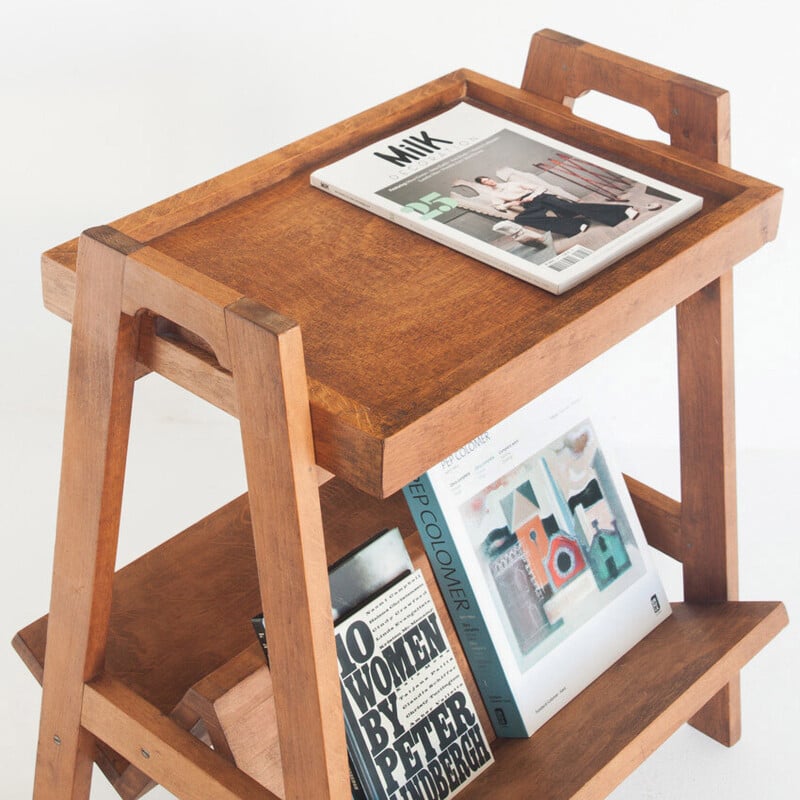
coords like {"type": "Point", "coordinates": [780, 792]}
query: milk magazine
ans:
{"type": "Point", "coordinates": [506, 195]}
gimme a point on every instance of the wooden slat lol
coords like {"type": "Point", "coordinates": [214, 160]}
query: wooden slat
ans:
{"type": "Point", "coordinates": [171, 756]}
{"type": "Point", "coordinates": [657, 159]}
{"type": "Point", "coordinates": [168, 288]}
{"type": "Point", "coordinates": [189, 366]}
{"type": "Point", "coordinates": [237, 707]}
{"type": "Point", "coordinates": [708, 471]}
{"type": "Point", "coordinates": [660, 517]}
{"type": "Point", "coordinates": [695, 114]}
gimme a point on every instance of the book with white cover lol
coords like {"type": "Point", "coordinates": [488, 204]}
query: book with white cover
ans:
{"type": "Point", "coordinates": [538, 551]}
{"type": "Point", "coordinates": [511, 197]}
{"type": "Point", "coordinates": [412, 728]}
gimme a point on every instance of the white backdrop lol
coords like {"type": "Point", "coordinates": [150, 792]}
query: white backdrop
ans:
{"type": "Point", "coordinates": [105, 108]}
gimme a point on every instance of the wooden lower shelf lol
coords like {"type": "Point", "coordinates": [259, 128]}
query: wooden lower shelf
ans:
{"type": "Point", "coordinates": [618, 721]}
{"type": "Point", "coordinates": [181, 613]}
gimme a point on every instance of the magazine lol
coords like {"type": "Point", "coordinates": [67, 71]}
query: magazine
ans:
{"type": "Point", "coordinates": [541, 559]}
{"type": "Point", "coordinates": [508, 196]}
{"type": "Point", "coordinates": [412, 729]}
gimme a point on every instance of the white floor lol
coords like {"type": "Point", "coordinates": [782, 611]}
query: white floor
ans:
{"type": "Point", "coordinates": [106, 109]}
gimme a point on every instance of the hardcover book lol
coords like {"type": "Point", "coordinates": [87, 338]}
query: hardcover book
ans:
{"type": "Point", "coordinates": [412, 729]}
{"type": "Point", "coordinates": [508, 196]}
{"type": "Point", "coordinates": [541, 559]}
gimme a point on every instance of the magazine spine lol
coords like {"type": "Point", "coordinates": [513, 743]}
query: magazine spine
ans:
{"type": "Point", "coordinates": [356, 787]}
{"type": "Point", "coordinates": [468, 619]}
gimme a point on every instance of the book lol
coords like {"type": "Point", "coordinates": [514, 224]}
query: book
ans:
{"type": "Point", "coordinates": [261, 633]}
{"type": "Point", "coordinates": [540, 556]}
{"type": "Point", "coordinates": [366, 571]}
{"type": "Point", "coordinates": [411, 726]}
{"type": "Point", "coordinates": [412, 729]}
{"type": "Point", "coordinates": [509, 196]}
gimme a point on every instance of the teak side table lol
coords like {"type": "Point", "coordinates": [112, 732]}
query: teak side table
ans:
{"type": "Point", "coordinates": [399, 364]}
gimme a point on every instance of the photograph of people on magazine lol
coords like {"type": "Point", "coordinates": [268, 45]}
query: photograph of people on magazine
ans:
{"type": "Point", "coordinates": [531, 200]}
{"type": "Point", "coordinates": [545, 207]}
{"type": "Point", "coordinates": [553, 543]}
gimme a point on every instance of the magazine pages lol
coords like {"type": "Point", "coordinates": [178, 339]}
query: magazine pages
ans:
{"type": "Point", "coordinates": [412, 728]}
{"type": "Point", "coordinates": [513, 198]}
{"type": "Point", "coordinates": [540, 557]}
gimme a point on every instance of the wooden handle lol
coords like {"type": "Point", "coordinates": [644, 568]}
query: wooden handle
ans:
{"type": "Point", "coordinates": [694, 114]}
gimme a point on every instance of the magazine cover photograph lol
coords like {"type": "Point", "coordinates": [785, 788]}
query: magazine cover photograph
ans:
{"type": "Point", "coordinates": [530, 199]}
{"type": "Point", "coordinates": [553, 542]}
{"type": "Point", "coordinates": [509, 196]}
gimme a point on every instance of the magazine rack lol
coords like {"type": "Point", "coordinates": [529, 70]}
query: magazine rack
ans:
{"type": "Point", "coordinates": [399, 365]}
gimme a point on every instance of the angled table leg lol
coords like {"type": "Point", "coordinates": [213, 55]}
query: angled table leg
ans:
{"type": "Point", "coordinates": [272, 396]}
{"type": "Point", "coordinates": [708, 472]}
{"type": "Point", "coordinates": [100, 391]}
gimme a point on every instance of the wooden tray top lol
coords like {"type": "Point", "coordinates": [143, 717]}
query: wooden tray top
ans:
{"type": "Point", "coordinates": [413, 349]}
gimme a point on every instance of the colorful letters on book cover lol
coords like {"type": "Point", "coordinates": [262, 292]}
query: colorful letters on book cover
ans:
{"type": "Point", "coordinates": [541, 559]}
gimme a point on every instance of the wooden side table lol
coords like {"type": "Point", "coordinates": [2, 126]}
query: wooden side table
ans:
{"type": "Point", "coordinates": [400, 362]}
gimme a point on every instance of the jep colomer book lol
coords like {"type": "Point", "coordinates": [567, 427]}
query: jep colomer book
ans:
{"type": "Point", "coordinates": [511, 197]}
{"type": "Point", "coordinates": [543, 564]}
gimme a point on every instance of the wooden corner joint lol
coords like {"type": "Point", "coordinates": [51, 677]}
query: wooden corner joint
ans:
{"type": "Point", "coordinates": [261, 316]}
{"type": "Point", "coordinates": [113, 239]}
{"type": "Point", "coordinates": [168, 289]}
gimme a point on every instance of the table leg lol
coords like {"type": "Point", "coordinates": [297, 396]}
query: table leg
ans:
{"type": "Point", "coordinates": [708, 471]}
{"type": "Point", "coordinates": [99, 396]}
{"type": "Point", "coordinates": [272, 396]}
